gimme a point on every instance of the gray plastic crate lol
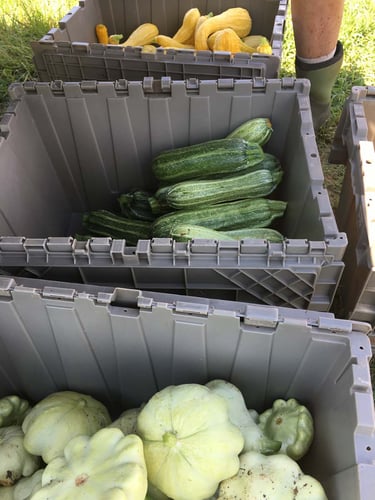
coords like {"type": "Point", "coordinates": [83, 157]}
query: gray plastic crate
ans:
{"type": "Point", "coordinates": [354, 146]}
{"type": "Point", "coordinates": [68, 148]}
{"type": "Point", "coordinates": [123, 346]}
{"type": "Point", "coordinates": [71, 52]}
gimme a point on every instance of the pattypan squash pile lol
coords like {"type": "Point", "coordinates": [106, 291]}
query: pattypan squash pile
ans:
{"type": "Point", "coordinates": [186, 442]}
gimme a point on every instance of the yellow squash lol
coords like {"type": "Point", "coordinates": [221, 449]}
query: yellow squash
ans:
{"type": "Point", "coordinates": [149, 49]}
{"type": "Point", "coordinates": [226, 40]}
{"type": "Point", "coordinates": [191, 40]}
{"type": "Point", "coordinates": [186, 31]}
{"type": "Point", "coordinates": [259, 43]}
{"type": "Point", "coordinates": [171, 43]}
{"type": "Point", "coordinates": [101, 32]}
{"type": "Point", "coordinates": [143, 35]}
{"type": "Point", "coordinates": [236, 18]}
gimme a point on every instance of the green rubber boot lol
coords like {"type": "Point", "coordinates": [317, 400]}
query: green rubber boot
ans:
{"type": "Point", "coordinates": [322, 77]}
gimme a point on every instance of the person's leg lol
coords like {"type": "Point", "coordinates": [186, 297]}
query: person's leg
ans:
{"type": "Point", "coordinates": [319, 54]}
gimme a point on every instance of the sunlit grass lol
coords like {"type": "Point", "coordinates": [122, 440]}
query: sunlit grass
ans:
{"type": "Point", "coordinates": [26, 11]}
{"type": "Point", "coordinates": [22, 21]}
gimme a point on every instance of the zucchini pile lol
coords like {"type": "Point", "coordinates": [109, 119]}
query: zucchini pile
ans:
{"type": "Point", "coordinates": [218, 189]}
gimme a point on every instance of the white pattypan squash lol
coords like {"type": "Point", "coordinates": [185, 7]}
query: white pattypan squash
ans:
{"type": "Point", "coordinates": [105, 466]}
{"type": "Point", "coordinates": [15, 461]}
{"type": "Point", "coordinates": [270, 477]}
{"type": "Point", "coordinates": [27, 486]}
{"type": "Point", "coordinates": [153, 493]}
{"type": "Point", "coordinates": [12, 410]}
{"type": "Point", "coordinates": [190, 445]}
{"type": "Point", "coordinates": [6, 492]}
{"type": "Point", "coordinates": [127, 421]}
{"type": "Point", "coordinates": [255, 438]}
{"type": "Point", "coordinates": [58, 418]}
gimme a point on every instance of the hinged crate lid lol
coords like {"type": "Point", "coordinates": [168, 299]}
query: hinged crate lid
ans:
{"type": "Point", "coordinates": [250, 314]}
{"type": "Point", "coordinates": [352, 126]}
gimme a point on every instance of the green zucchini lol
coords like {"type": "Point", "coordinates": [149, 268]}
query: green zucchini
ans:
{"type": "Point", "coordinates": [106, 223]}
{"type": "Point", "coordinates": [82, 237]}
{"type": "Point", "coordinates": [257, 130]}
{"type": "Point", "coordinates": [258, 212]}
{"type": "Point", "coordinates": [197, 193]}
{"type": "Point", "coordinates": [218, 156]}
{"type": "Point", "coordinates": [186, 232]}
{"type": "Point", "coordinates": [269, 162]}
{"type": "Point", "coordinates": [158, 201]}
{"type": "Point", "coordinates": [135, 205]}
{"type": "Point", "coordinates": [262, 233]}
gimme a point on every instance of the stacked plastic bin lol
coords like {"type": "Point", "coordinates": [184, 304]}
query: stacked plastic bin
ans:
{"type": "Point", "coordinates": [70, 52]}
{"type": "Point", "coordinates": [120, 322]}
{"type": "Point", "coordinates": [76, 147]}
{"type": "Point", "coordinates": [121, 346]}
{"type": "Point", "coordinates": [354, 147]}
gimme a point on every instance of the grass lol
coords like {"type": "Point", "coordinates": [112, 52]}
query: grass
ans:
{"type": "Point", "coordinates": [22, 21]}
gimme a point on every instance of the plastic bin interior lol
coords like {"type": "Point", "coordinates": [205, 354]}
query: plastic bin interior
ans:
{"type": "Point", "coordinates": [69, 148]}
{"type": "Point", "coordinates": [354, 146]}
{"type": "Point", "coordinates": [70, 52]}
{"type": "Point", "coordinates": [122, 347]}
